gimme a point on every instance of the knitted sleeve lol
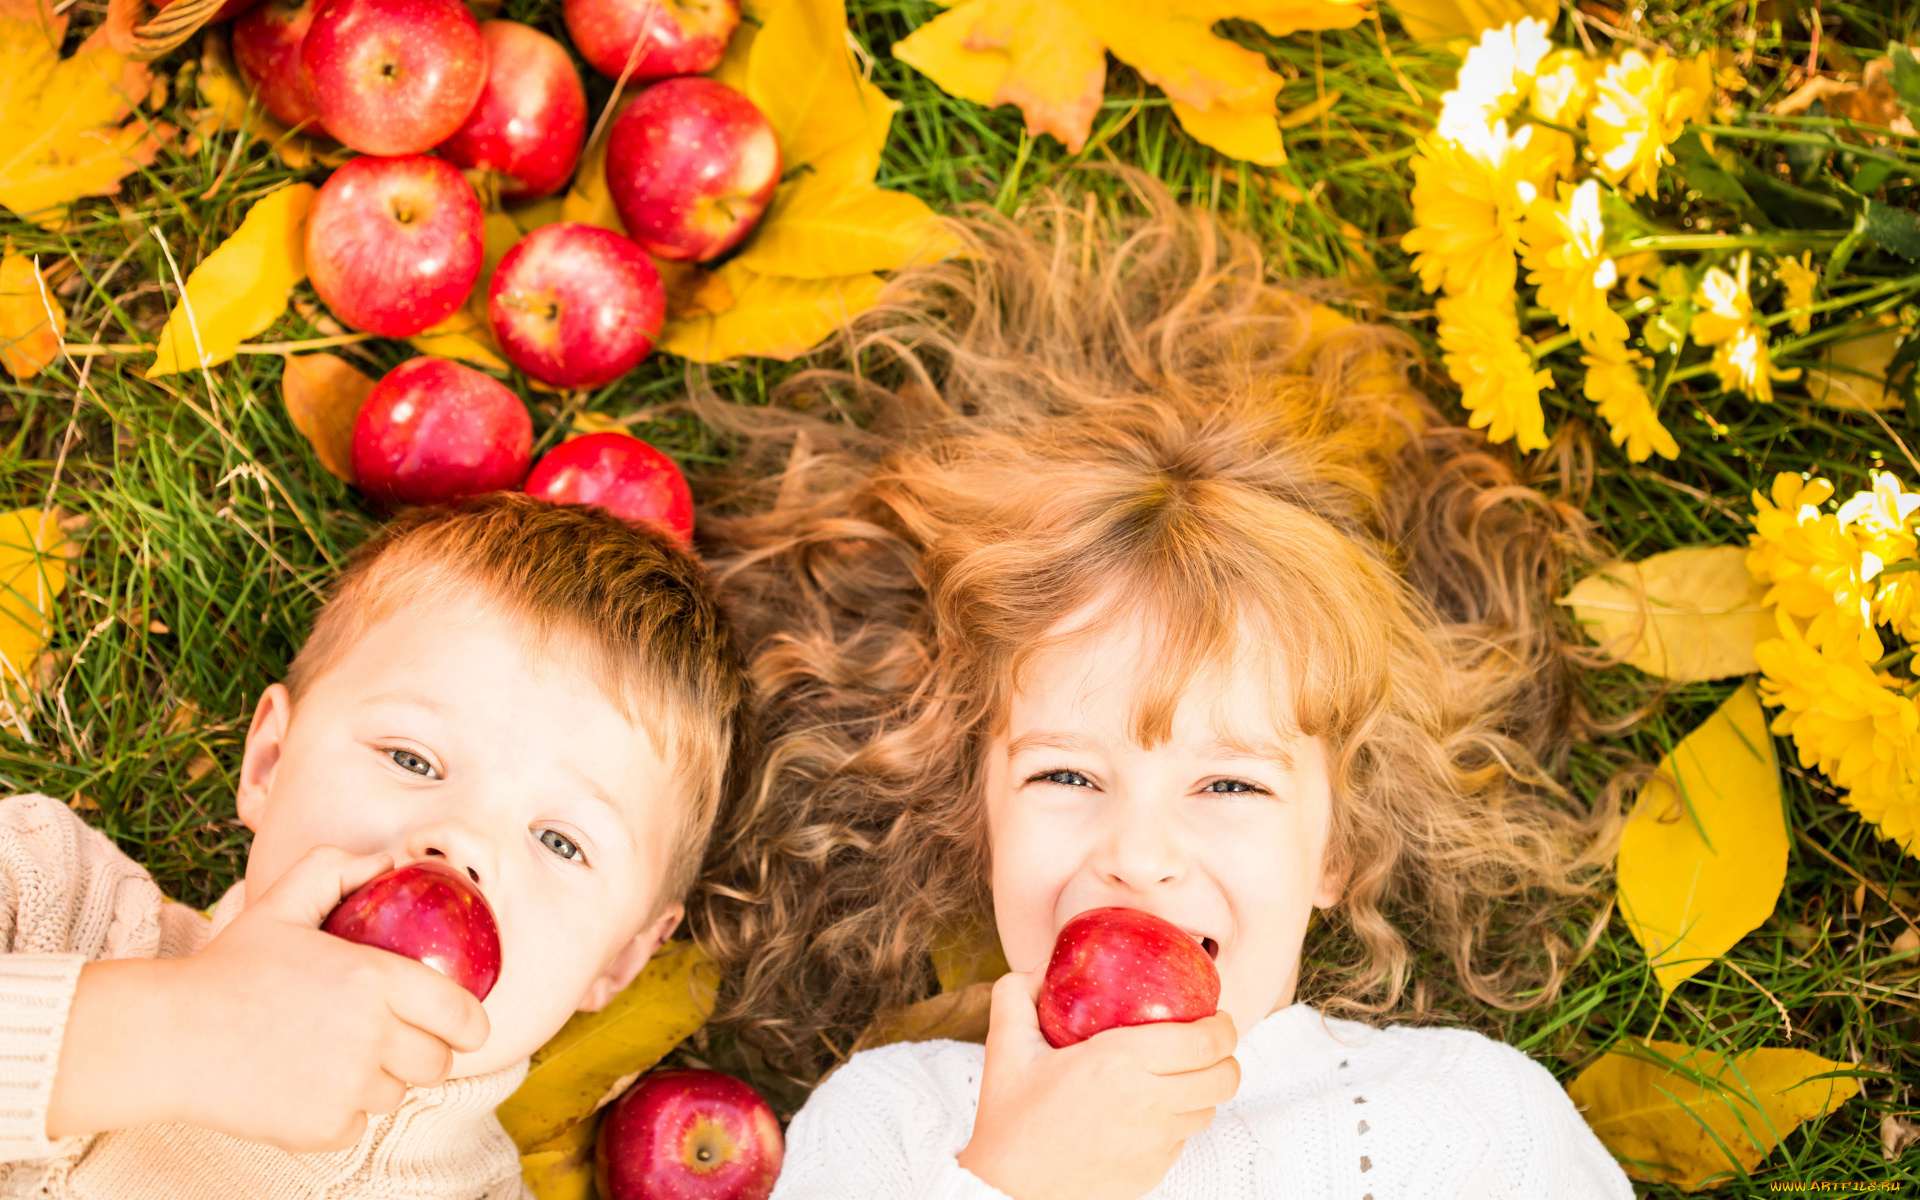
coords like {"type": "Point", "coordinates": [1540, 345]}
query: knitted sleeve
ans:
{"type": "Point", "coordinates": [68, 896]}
{"type": "Point", "coordinates": [887, 1126]}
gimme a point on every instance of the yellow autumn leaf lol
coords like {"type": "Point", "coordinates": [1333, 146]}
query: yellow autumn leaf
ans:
{"type": "Point", "coordinates": [230, 108]}
{"type": "Point", "coordinates": [802, 75]}
{"type": "Point", "coordinates": [1684, 615]}
{"type": "Point", "coordinates": [461, 336]}
{"type": "Point", "coordinates": [819, 227]}
{"type": "Point", "coordinates": [1250, 133]}
{"type": "Point", "coordinates": [1437, 20]}
{"type": "Point", "coordinates": [970, 955]}
{"type": "Point", "coordinates": [773, 316]}
{"type": "Point", "coordinates": [732, 68]}
{"type": "Point", "coordinates": [1683, 1115]}
{"type": "Point", "coordinates": [241, 288]}
{"type": "Point", "coordinates": [938, 50]}
{"type": "Point", "coordinates": [1181, 55]}
{"type": "Point", "coordinates": [1282, 17]}
{"type": "Point", "coordinates": [498, 233]}
{"type": "Point", "coordinates": [323, 394]}
{"type": "Point", "coordinates": [588, 199]}
{"type": "Point", "coordinates": [32, 323]}
{"type": "Point", "coordinates": [529, 215]}
{"type": "Point", "coordinates": [961, 1016]}
{"type": "Point", "coordinates": [33, 572]}
{"type": "Point", "coordinates": [693, 291]}
{"type": "Point", "coordinates": [1853, 374]}
{"type": "Point", "coordinates": [562, 1168]}
{"type": "Point", "coordinates": [66, 120]}
{"type": "Point", "coordinates": [579, 1067]}
{"type": "Point", "coordinates": [1704, 851]}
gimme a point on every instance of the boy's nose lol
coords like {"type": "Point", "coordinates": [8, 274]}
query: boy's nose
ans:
{"type": "Point", "coordinates": [459, 847]}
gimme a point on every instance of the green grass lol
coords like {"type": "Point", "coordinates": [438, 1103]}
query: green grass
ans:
{"type": "Point", "coordinates": [211, 525]}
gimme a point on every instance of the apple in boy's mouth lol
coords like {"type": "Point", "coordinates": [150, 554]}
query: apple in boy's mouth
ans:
{"type": "Point", "coordinates": [431, 913]}
{"type": "Point", "coordinates": [1120, 966]}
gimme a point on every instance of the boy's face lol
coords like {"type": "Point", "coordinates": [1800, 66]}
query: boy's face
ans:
{"type": "Point", "coordinates": [438, 735]}
{"type": "Point", "coordinates": [1221, 829]}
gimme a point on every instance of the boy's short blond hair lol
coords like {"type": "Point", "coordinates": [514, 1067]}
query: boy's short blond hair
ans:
{"type": "Point", "coordinates": [618, 601]}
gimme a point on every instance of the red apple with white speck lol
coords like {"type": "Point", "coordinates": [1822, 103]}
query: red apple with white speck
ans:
{"type": "Point", "coordinates": [622, 474]}
{"type": "Point", "coordinates": [531, 118]}
{"type": "Point", "coordinates": [575, 305]}
{"type": "Point", "coordinates": [657, 37]}
{"type": "Point", "coordinates": [1120, 966]}
{"type": "Point", "coordinates": [393, 77]}
{"type": "Point", "coordinates": [691, 165]}
{"type": "Point", "coordinates": [688, 1135]}
{"type": "Point", "coordinates": [266, 49]}
{"type": "Point", "coordinates": [434, 431]}
{"type": "Point", "coordinates": [394, 244]}
{"type": "Point", "coordinates": [432, 914]}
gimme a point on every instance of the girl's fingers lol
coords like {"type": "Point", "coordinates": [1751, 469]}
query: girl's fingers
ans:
{"type": "Point", "coordinates": [1013, 1023]}
{"type": "Point", "coordinates": [1176, 1048]}
{"type": "Point", "coordinates": [1207, 1088]}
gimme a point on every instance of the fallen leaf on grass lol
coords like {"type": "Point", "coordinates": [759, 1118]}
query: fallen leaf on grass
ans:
{"type": "Point", "coordinates": [588, 199]}
{"type": "Point", "coordinates": [65, 136]}
{"type": "Point", "coordinates": [241, 288]}
{"type": "Point", "coordinates": [29, 340]}
{"type": "Point", "coordinates": [1687, 614]}
{"type": "Point", "coordinates": [33, 572]}
{"type": "Point", "coordinates": [1853, 374]}
{"type": "Point", "coordinates": [820, 227]}
{"type": "Point", "coordinates": [1704, 852]}
{"type": "Point", "coordinates": [323, 394]}
{"type": "Point", "coordinates": [1048, 57]}
{"type": "Point", "coordinates": [579, 1067]}
{"type": "Point", "coordinates": [230, 108]}
{"type": "Point", "coordinates": [467, 335]}
{"type": "Point", "coordinates": [1436, 20]}
{"type": "Point", "coordinates": [1675, 1114]}
{"type": "Point", "coordinates": [773, 316]}
{"type": "Point", "coordinates": [1896, 1135]}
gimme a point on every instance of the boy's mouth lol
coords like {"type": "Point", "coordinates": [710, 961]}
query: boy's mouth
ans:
{"type": "Point", "coordinates": [1208, 944]}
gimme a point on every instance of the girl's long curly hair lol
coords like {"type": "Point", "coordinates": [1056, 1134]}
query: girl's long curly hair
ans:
{"type": "Point", "coordinates": [1084, 405]}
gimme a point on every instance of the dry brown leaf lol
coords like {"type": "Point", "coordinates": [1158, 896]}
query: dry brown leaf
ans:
{"type": "Point", "coordinates": [1896, 1134]}
{"type": "Point", "coordinates": [960, 1015]}
{"type": "Point", "coordinates": [32, 323]}
{"type": "Point", "coordinates": [323, 394]}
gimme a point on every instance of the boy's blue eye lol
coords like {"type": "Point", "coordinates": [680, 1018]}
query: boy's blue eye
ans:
{"type": "Point", "coordinates": [1066, 778]}
{"type": "Point", "coordinates": [407, 760]}
{"type": "Point", "coordinates": [560, 844]}
{"type": "Point", "coordinates": [1229, 786]}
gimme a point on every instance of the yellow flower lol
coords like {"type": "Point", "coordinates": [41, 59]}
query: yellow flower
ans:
{"type": "Point", "coordinates": [1567, 260]}
{"type": "Point", "coordinates": [1798, 277]}
{"type": "Point", "coordinates": [1725, 321]}
{"type": "Point", "coordinates": [1481, 346]}
{"type": "Point", "coordinates": [1615, 386]}
{"type": "Point", "coordinates": [1635, 270]}
{"type": "Point", "coordinates": [1469, 196]}
{"type": "Point", "coordinates": [1494, 78]}
{"type": "Point", "coordinates": [1640, 107]}
{"type": "Point", "coordinates": [1562, 83]}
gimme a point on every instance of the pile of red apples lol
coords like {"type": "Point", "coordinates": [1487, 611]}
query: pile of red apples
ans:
{"type": "Point", "coordinates": [437, 103]}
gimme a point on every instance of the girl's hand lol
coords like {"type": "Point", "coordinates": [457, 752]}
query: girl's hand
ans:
{"type": "Point", "coordinates": [276, 1031]}
{"type": "Point", "coordinates": [1103, 1120]}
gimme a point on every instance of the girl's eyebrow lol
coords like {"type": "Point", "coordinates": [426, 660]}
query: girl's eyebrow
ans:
{"type": "Point", "coordinates": [1045, 739]}
{"type": "Point", "coordinates": [1227, 745]}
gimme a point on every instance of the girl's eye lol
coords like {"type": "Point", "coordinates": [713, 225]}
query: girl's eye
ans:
{"type": "Point", "coordinates": [1228, 786]}
{"type": "Point", "coordinates": [560, 844]}
{"type": "Point", "coordinates": [1064, 778]}
{"type": "Point", "coordinates": [407, 760]}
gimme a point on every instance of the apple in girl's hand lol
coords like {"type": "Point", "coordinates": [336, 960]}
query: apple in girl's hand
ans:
{"type": "Point", "coordinates": [432, 431]}
{"type": "Point", "coordinates": [691, 165]}
{"type": "Point", "coordinates": [429, 912]}
{"type": "Point", "coordinates": [620, 473]}
{"type": "Point", "coordinates": [1121, 966]}
{"type": "Point", "coordinates": [688, 1135]}
{"type": "Point", "coordinates": [531, 117]}
{"type": "Point", "coordinates": [393, 76]}
{"type": "Point", "coordinates": [575, 305]}
{"type": "Point", "coordinates": [394, 244]}
{"type": "Point", "coordinates": [266, 48]}
{"type": "Point", "coordinates": [660, 37]}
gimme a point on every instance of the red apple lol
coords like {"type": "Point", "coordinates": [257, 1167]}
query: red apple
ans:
{"type": "Point", "coordinates": [393, 76]}
{"type": "Point", "coordinates": [431, 913]}
{"type": "Point", "coordinates": [576, 306]}
{"type": "Point", "coordinates": [531, 117]}
{"type": "Point", "coordinates": [688, 1135]}
{"type": "Point", "coordinates": [432, 431]}
{"type": "Point", "coordinates": [659, 37]}
{"type": "Point", "coordinates": [620, 473]}
{"type": "Point", "coordinates": [394, 244]}
{"type": "Point", "coordinates": [1121, 966]}
{"type": "Point", "coordinates": [266, 48]}
{"type": "Point", "coordinates": [691, 165]}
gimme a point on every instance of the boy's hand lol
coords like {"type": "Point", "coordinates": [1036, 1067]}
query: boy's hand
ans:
{"type": "Point", "coordinates": [276, 1031]}
{"type": "Point", "coordinates": [1102, 1120]}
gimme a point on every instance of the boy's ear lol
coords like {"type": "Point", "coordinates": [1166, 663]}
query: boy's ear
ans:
{"type": "Point", "coordinates": [266, 737]}
{"type": "Point", "coordinates": [633, 956]}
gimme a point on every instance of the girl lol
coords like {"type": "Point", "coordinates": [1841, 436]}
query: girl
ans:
{"type": "Point", "coordinates": [1113, 574]}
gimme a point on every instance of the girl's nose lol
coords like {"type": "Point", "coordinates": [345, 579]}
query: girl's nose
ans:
{"type": "Point", "coordinates": [1142, 850]}
{"type": "Point", "coordinates": [459, 846]}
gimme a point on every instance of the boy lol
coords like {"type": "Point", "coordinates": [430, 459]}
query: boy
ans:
{"type": "Point", "coordinates": [542, 697]}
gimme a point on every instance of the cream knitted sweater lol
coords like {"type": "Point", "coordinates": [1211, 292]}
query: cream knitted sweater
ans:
{"type": "Point", "coordinates": [1327, 1110]}
{"type": "Point", "coordinates": [68, 896]}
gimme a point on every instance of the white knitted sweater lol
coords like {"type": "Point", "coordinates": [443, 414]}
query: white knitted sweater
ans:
{"type": "Point", "coordinates": [1327, 1110]}
{"type": "Point", "coordinates": [68, 896]}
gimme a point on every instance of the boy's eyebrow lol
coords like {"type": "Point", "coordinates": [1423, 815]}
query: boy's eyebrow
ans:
{"type": "Point", "coordinates": [593, 791]}
{"type": "Point", "coordinates": [415, 699]}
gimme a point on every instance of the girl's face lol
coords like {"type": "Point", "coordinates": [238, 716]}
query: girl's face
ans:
{"type": "Point", "coordinates": [1221, 829]}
